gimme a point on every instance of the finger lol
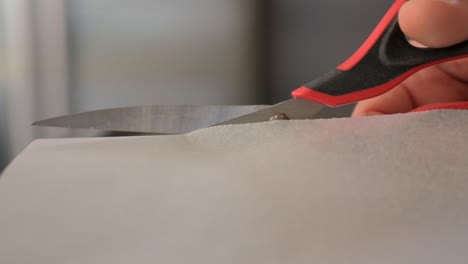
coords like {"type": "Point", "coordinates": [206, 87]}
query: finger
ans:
{"type": "Point", "coordinates": [444, 83]}
{"type": "Point", "coordinates": [435, 23]}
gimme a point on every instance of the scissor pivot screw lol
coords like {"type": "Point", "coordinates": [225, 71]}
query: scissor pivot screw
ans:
{"type": "Point", "coordinates": [280, 116]}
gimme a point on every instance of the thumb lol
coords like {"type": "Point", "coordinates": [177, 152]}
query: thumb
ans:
{"type": "Point", "coordinates": [435, 23]}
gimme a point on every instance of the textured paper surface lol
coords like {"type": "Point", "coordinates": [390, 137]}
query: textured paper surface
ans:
{"type": "Point", "coordinates": [390, 189]}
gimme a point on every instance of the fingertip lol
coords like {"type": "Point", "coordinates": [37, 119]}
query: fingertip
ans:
{"type": "Point", "coordinates": [397, 100]}
{"type": "Point", "coordinates": [367, 113]}
{"type": "Point", "coordinates": [435, 23]}
{"type": "Point", "coordinates": [368, 107]}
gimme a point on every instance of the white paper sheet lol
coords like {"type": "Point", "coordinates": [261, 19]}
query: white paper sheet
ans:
{"type": "Point", "coordinates": [390, 189]}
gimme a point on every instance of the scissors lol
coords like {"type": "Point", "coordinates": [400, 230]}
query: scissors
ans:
{"type": "Point", "coordinates": [383, 61]}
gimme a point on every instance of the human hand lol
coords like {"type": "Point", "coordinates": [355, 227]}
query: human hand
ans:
{"type": "Point", "coordinates": [432, 23]}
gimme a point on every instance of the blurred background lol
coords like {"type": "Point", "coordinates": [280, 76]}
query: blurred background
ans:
{"type": "Point", "coordinates": [58, 57]}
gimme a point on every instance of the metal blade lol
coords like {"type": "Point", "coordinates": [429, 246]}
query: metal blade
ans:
{"type": "Point", "coordinates": [292, 109]}
{"type": "Point", "coordinates": [180, 119]}
{"type": "Point", "coordinates": [157, 119]}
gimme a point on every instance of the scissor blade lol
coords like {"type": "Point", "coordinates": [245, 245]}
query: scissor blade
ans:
{"type": "Point", "coordinates": [157, 119]}
{"type": "Point", "coordinates": [293, 109]}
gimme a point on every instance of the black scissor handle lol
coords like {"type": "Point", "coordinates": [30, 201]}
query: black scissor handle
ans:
{"type": "Point", "coordinates": [396, 51]}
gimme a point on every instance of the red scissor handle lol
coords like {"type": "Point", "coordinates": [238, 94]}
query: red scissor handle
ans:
{"type": "Point", "coordinates": [443, 106]}
{"type": "Point", "coordinates": [383, 61]}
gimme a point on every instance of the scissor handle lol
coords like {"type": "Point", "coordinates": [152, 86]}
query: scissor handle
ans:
{"type": "Point", "coordinates": [384, 60]}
